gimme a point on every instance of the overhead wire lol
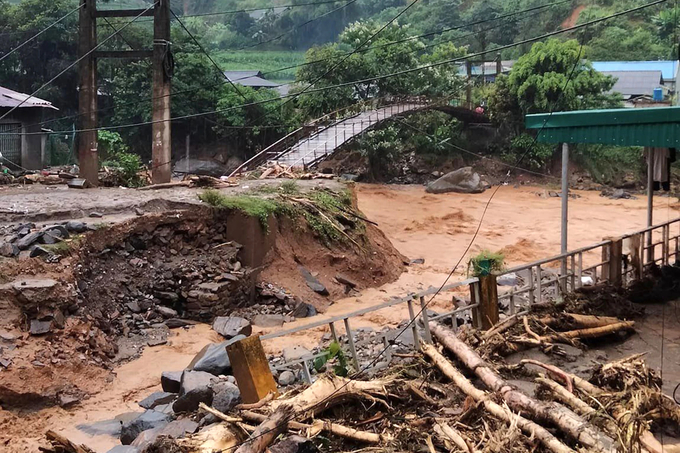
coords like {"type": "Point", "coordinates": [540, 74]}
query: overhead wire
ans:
{"type": "Point", "coordinates": [58, 21]}
{"type": "Point", "coordinates": [49, 82]}
{"type": "Point", "coordinates": [321, 60]}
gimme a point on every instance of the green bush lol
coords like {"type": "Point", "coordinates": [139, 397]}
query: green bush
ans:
{"type": "Point", "coordinates": [259, 208]}
{"type": "Point", "coordinates": [116, 157]}
{"type": "Point", "coordinates": [526, 152]}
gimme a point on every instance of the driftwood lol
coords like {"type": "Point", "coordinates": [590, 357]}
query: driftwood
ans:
{"type": "Point", "coordinates": [64, 445]}
{"type": "Point", "coordinates": [504, 413]}
{"type": "Point", "coordinates": [554, 371]}
{"type": "Point", "coordinates": [270, 397]}
{"type": "Point", "coordinates": [268, 431]}
{"type": "Point", "coordinates": [222, 416]}
{"type": "Point", "coordinates": [580, 321]}
{"type": "Point", "coordinates": [321, 425]}
{"type": "Point", "coordinates": [330, 390]}
{"type": "Point", "coordinates": [566, 420]}
{"type": "Point", "coordinates": [501, 327]}
{"type": "Point", "coordinates": [593, 332]}
{"type": "Point", "coordinates": [448, 433]}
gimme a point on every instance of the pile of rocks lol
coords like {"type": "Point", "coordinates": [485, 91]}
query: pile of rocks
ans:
{"type": "Point", "coordinates": [26, 239]}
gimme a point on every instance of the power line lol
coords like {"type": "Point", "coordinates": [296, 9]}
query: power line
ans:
{"type": "Point", "coordinates": [307, 63]}
{"type": "Point", "coordinates": [73, 11]}
{"type": "Point", "coordinates": [75, 63]}
{"type": "Point", "coordinates": [380, 77]}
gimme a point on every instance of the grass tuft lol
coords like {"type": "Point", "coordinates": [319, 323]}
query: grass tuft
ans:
{"type": "Point", "coordinates": [251, 206]}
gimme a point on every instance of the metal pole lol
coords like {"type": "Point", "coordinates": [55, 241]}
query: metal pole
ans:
{"type": "Point", "coordinates": [88, 158]}
{"type": "Point", "coordinates": [650, 200]}
{"type": "Point", "coordinates": [188, 147]}
{"type": "Point", "coordinates": [161, 150]}
{"type": "Point", "coordinates": [565, 209]}
{"type": "Point", "coordinates": [352, 348]}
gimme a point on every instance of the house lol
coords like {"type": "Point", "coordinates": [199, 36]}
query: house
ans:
{"type": "Point", "coordinates": [253, 79]}
{"type": "Point", "coordinates": [634, 85]}
{"type": "Point", "coordinates": [22, 139]}
{"type": "Point", "coordinates": [638, 80]}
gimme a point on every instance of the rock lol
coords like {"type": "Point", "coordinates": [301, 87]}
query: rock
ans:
{"type": "Point", "coordinates": [134, 307]}
{"type": "Point", "coordinates": [40, 327]}
{"type": "Point", "coordinates": [293, 353]}
{"type": "Point", "coordinates": [76, 227]}
{"type": "Point", "coordinates": [59, 231]}
{"type": "Point", "coordinates": [303, 310]}
{"type": "Point", "coordinates": [49, 239]}
{"type": "Point", "coordinates": [7, 336]}
{"type": "Point", "coordinates": [192, 380]}
{"type": "Point", "coordinates": [229, 327]}
{"type": "Point", "coordinates": [37, 251]}
{"type": "Point", "coordinates": [213, 358]}
{"type": "Point", "coordinates": [176, 429]}
{"type": "Point", "coordinates": [156, 341]}
{"type": "Point", "coordinates": [139, 212]}
{"type": "Point", "coordinates": [510, 279]}
{"type": "Point", "coordinates": [268, 320]}
{"type": "Point", "coordinates": [620, 194]}
{"type": "Point", "coordinates": [346, 281]}
{"type": "Point", "coordinates": [25, 242]}
{"type": "Point", "coordinates": [463, 180]}
{"type": "Point", "coordinates": [225, 396]}
{"type": "Point", "coordinates": [170, 381]}
{"type": "Point", "coordinates": [209, 167]}
{"type": "Point", "coordinates": [157, 398]}
{"type": "Point", "coordinates": [97, 215]}
{"type": "Point", "coordinates": [9, 250]}
{"type": "Point", "coordinates": [148, 420]}
{"type": "Point", "coordinates": [166, 312]}
{"type": "Point", "coordinates": [68, 399]}
{"type": "Point", "coordinates": [174, 323]}
{"type": "Point", "coordinates": [189, 401]}
{"type": "Point", "coordinates": [294, 444]}
{"type": "Point", "coordinates": [168, 296]}
{"type": "Point", "coordinates": [417, 261]}
{"type": "Point", "coordinates": [124, 449]}
{"type": "Point", "coordinates": [314, 284]}
{"type": "Point", "coordinates": [286, 378]}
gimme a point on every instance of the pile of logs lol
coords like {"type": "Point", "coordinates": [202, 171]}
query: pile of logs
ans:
{"type": "Point", "coordinates": [450, 398]}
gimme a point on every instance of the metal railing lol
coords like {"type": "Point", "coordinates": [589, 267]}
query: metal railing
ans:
{"type": "Point", "coordinates": [603, 262]}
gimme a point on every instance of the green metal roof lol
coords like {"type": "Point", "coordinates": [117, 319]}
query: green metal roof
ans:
{"type": "Point", "coordinates": [658, 127]}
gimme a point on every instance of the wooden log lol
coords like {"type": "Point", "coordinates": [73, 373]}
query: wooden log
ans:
{"type": "Point", "coordinates": [222, 416]}
{"type": "Point", "coordinates": [502, 327]}
{"type": "Point", "coordinates": [594, 332]}
{"type": "Point", "coordinates": [566, 420]}
{"type": "Point", "coordinates": [445, 431]}
{"type": "Point", "coordinates": [66, 445]}
{"type": "Point", "coordinates": [265, 434]}
{"type": "Point", "coordinates": [321, 425]}
{"type": "Point", "coordinates": [530, 428]}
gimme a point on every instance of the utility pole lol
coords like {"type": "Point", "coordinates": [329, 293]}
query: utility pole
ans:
{"type": "Point", "coordinates": [87, 97]}
{"type": "Point", "coordinates": [88, 158]}
{"type": "Point", "coordinates": [161, 147]}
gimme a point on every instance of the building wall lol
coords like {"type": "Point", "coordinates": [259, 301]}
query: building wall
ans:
{"type": "Point", "coordinates": [32, 143]}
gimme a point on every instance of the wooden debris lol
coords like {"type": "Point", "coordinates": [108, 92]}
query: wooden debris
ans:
{"type": "Point", "coordinates": [268, 431]}
{"type": "Point", "coordinates": [62, 444]}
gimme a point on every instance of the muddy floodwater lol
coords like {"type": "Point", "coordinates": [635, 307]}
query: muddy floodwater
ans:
{"type": "Point", "coordinates": [523, 223]}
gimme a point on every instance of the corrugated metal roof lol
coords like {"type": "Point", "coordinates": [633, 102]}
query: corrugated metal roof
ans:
{"type": "Point", "coordinates": [622, 127]}
{"type": "Point", "coordinates": [636, 83]}
{"type": "Point", "coordinates": [11, 99]}
{"type": "Point", "coordinates": [669, 69]}
{"type": "Point", "coordinates": [250, 79]}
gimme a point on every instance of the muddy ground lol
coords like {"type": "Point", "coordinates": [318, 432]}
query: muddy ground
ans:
{"type": "Point", "coordinates": [524, 222]}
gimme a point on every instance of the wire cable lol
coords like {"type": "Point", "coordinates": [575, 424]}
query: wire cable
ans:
{"type": "Point", "coordinates": [75, 63]}
{"type": "Point", "coordinates": [70, 13]}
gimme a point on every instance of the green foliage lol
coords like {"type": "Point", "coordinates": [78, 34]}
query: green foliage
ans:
{"type": "Point", "coordinates": [128, 165]}
{"type": "Point", "coordinates": [486, 263]}
{"type": "Point", "coordinates": [333, 352]}
{"type": "Point", "coordinates": [610, 164]}
{"type": "Point", "coordinates": [525, 152]}
{"type": "Point", "coordinates": [251, 206]}
{"type": "Point", "coordinates": [289, 187]}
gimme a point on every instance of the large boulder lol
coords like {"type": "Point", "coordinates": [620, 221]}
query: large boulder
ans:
{"type": "Point", "coordinates": [209, 167]}
{"type": "Point", "coordinates": [157, 399]}
{"type": "Point", "coordinates": [232, 326]}
{"type": "Point", "coordinates": [463, 180]}
{"type": "Point", "coordinates": [148, 420]}
{"type": "Point", "coordinates": [213, 358]}
{"type": "Point", "coordinates": [192, 380]}
{"type": "Point", "coordinates": [225, 396]}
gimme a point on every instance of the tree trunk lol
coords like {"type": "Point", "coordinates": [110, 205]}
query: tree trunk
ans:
{"type": "Point", "coordinates": [268, 431]}
{"type": "Point", "coordinates": [566, 420]}
{"type": "Point", "coordinates": [593, 332]}
{"type": "Point", "coordinates": [530, 428]}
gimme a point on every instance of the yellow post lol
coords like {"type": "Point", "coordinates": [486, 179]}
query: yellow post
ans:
{"type": "Point", "coordinates": [250, 367]}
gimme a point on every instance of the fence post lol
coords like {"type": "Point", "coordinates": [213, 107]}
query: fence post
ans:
{"type": "Point", "coordinates": [426, 320]}
{"type": "Point", "coordinates": [616, 262]}
{"type": "Point", "coordinates": [636, 254]}
{"type": "Point", "coordinates": [488, 301]}
{"type": "Point", "coordinates": [606, 258]}
{"type": "Point", "coordinates": [352, 348]}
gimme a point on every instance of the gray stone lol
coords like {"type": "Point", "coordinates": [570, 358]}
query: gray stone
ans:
{"type": "Point", "coordinates": [76, 227]}
{"type": "Point", "coordinates": [268, 320]}
{"type": "Point", "coordinates": [510, 279]}
{"type": "Point", "coordinates": [225, 396]}
{"type": "Point", "coordinates": [189, 401]}
{"type": "Point", "coordinates": [303, 310]}
{"type": "Point", "coordinates": [166, 312]}
{"type": "Point", "coordinates": [463, 180]}
{"type": "Point", "coordinates": [134, 307]}
{"type": "Point", "coordinates": [293, 353]}
{"type": "Point", "coordinates": [59, 231]}
{"type": "Point", "coordinates": [174, 323]}
{"type": "Point", "coordinates": [209, 167]}
{"type": "Point", "coordinates": [124, 449]}
{"type": "Point", "coordinates": [417, 261]}
{"type": "Point", "coordinates": [156, 341]}
{"type": "Point", "coordinates": [148, 420]}
{"type": "Point", "coordinates": [9, 250]}
{"type": "Point", "coordinates": [170, 381]}
{"type": "Point", "coordinates": [7, 336]}
{"type": "Point", "coordinates": [192, 380]}
{"type": "Point", "coordinates": [346, 280]}
{"type": "Point", "coordinates": [175, 430]}
{"type": "Point", "coordinates": [314, 284]}
{"type": "Point", "coordinates": [157, 398]}
{"type": "Point", "coordinates": [231, 326]}
{"type": "Point", "coordinates": [286, 378]}
{"type": "Point", "coordinates": [40, 327]}
{"type": "Point", "coordinates": [139, 212]}
{"type": "Point", "coordinates": [25, 242]}
{"type": "Point", "coordinates": [213, 358]}
{"type": "Point", "coordinates": [37, 251]}
{"type": "Point", "coordinates": [168, 296]}
{"type": "Point", "coordinates": [97, 215]}
{"type": "Point", "coordinates": [49, 239]}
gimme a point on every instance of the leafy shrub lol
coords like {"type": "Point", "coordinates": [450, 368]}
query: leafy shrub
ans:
{"type": "Point", "coordinates": [334, 351]}
{"type": "Point", "coordinates": [526, 152]}
{"type": "Point", "coordinates": [117, 157]}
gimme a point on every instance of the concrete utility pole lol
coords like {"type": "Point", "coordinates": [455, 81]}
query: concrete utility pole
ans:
{"type": "Point", "coordinates": [565, 211]}
{"type": "Point", "coordinates": [162, 73]}
{"type": "Point", "coordinates": [87, 96]}
{"type": "Point", "coordinates": [161, 129]}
